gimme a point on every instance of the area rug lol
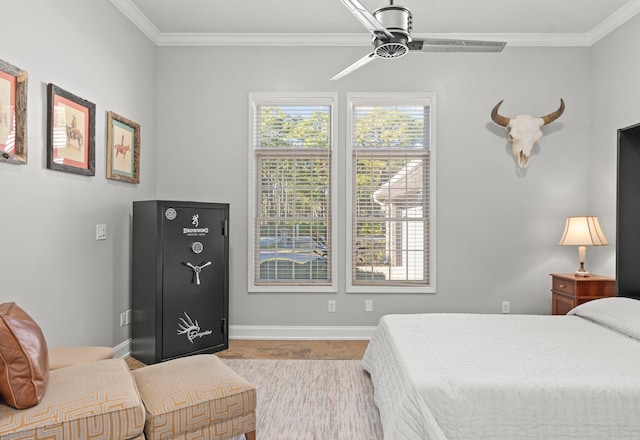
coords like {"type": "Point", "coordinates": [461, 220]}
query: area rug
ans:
{"type": "Point", "coordinates": [311, 399]}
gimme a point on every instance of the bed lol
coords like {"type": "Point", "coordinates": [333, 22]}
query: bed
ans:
{"type": "Point", "coordinates": [447, 376]}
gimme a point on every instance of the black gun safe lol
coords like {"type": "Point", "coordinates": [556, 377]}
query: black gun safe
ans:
{"type": "Point", "coordinates": [180, 279]}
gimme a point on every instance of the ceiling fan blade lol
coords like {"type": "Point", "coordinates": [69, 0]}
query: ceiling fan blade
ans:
{"type": "Point", "coordinates": [442, 45]}
{"type": "Point", "coordinates": [361, 62]}
{"type": "Point", "coordinates": [367, 18]}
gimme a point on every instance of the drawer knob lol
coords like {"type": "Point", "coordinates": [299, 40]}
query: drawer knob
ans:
{"type": "Point", "coordinates": [562, 286]}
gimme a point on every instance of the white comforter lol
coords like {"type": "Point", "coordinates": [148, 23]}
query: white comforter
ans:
{"type": "Point", "coordinates": [504, 377]}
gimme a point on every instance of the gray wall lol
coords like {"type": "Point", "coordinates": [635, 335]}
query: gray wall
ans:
{"type": "Point", "coordinates": [51, 264]}
{"type": "Point", "coordinates": [497, 227]}
{"type": "Point", "coordinates": [615, 98]}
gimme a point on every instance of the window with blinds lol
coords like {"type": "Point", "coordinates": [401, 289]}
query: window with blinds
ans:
{"type": "Point", "coordinates": [293, 192]}
{"type": "Point", "coordinates": [391, 206]}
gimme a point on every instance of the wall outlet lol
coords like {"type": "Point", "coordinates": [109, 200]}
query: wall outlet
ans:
{"type": "Point", "coordinates": [127, 317]}
{"type": "Point", "coordinates": [123, 319]}
{"type": "Point", "coordinates": [368, 305]}
{"type": "Point", "coordinates": [101, 232]}
{"type": "Point", "coordinates": [506, 307]}
{"type": "Point", "coordinates": [331, 308]}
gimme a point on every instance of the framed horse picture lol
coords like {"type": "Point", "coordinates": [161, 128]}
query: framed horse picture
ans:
{"type": "Point", "coordinates": [123, 149]}
{"type": "Point", "coordinates": [71, 127]}
{"type": "Point", "coordinates": [13, 114]}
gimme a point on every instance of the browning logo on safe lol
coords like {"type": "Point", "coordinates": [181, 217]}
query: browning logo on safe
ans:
{"type": "Point", "coordinates": [195, 221]}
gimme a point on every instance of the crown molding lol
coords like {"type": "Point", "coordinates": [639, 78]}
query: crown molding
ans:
{"type": "Point", "coordinates": [136, 16]}
{"type": "Point", "coordinates": [614, 21]}
{"type": "Point", "coordinates": [131, 11]}
{"type": "Point", "coordinates": [266, 39]}
{"type": "Point", "coordinates": [357, 40]}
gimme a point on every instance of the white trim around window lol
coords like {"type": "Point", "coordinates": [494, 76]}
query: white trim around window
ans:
{"type": "Point", "coordinates": [424, 281]}
{"type": "Point", "coordinates": [326, 245]}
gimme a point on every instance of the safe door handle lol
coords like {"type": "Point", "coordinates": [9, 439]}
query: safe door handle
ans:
{"type": "Point", "coordinates": [197, 269]}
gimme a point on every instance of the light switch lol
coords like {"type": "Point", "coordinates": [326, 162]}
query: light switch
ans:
{"type": "Point", "coordinates": [368, 305]}
{"type": "Point", "coordinates": [101, 232]}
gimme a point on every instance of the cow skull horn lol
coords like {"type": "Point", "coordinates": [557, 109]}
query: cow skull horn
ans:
{"type": "Point", "coordinates": [498, 118]}
{"type": "Point", "coordinates": [548, 119]}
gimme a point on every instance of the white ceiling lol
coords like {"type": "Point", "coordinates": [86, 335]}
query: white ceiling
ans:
{"type": "Point", "coordinates": [328, 22]}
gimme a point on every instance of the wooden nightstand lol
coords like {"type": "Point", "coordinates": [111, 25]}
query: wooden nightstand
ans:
{"type": "Point", "coordinates": [568, 290]}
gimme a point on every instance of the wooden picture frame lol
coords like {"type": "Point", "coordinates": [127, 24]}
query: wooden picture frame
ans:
{"type": "Point", "coordinates": [123, 149]}
{"type": "Point", "coordinates": [71, 128]}
{"type": "Point", "coordinates": [13, 114]}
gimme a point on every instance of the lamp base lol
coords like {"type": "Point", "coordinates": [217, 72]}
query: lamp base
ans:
{"type": "Point", "coordinates": [582, 272]}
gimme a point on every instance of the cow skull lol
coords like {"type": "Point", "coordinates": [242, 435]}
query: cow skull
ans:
{"type": "Point", "coordinates": [524, 131]}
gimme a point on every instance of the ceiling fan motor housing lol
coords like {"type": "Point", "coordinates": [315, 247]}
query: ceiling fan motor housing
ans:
{"type": "Point", "coordinates": [396, 19]}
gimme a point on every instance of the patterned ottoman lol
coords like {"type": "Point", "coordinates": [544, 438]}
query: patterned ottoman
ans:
{"type": "Point", "coordinates": [196, 397]}
{"type": "Point", "coordinates": [96, 400]}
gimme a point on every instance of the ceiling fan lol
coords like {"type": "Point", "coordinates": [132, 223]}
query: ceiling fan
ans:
{"type": "Point", "coordinates": [391, 27]}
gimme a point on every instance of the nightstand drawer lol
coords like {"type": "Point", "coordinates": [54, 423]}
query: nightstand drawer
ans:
{"type": "Point", "coordinates": [565, 286]}
{"type": "Point", "coordinates": [561, 304]}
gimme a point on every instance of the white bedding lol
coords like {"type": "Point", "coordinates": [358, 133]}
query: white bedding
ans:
{"type": "Point", "coordinates": [504, 377]}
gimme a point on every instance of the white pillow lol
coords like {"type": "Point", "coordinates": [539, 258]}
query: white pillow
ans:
{"type": "Point", "coordinates": [617, 313]}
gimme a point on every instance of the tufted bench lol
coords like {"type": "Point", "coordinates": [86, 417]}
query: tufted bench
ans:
{"type": "Point", "coordinates": [196, 397]}
{"type": "Point", "coordinates": [190, 398]}
{"type": "Point", "coordinates": [193, 397]}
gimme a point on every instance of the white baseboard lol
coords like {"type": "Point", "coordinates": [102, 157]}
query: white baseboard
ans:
{"type": "Point", "coordinates": [298, 332]}
{"type": "Point", "coordinates": [275, 332]}
{"type": "Point", "coordinates": [123, 349]}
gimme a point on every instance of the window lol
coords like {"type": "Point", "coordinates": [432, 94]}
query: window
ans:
{"type": "Point", "coordinates": [292, 198]}
{"type": "Point", "coordinates": [391, 204]}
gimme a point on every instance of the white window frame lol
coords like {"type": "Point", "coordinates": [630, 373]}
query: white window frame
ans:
{"type": "Point", "coordinates": [422, 99]}
{"type": "Point", "coordinates": [293, 98]}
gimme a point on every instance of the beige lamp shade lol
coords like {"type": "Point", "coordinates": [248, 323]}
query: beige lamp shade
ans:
{"type": "Point", "coordinates": [581, 232]}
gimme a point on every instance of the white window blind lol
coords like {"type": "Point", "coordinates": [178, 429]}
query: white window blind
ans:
{"type": "Point", "coordinates": [390, 191]}
{"type": "Point", "coordinates": [292, 223]}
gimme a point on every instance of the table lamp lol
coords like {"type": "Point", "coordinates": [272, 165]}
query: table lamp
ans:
{"type": "Point", "coordinates": [582, 232]}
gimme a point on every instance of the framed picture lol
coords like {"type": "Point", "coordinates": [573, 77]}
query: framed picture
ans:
{"type": "Point", "coordinates": [123, 149]}
{"type": "Point", "coordinates": [71, 127]}
{"type": "Point", "coordinates": [13, 114]}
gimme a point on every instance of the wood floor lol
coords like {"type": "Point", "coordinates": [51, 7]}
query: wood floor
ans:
{"type": "Point", "coordinates": [252, 349]}
{"type": "Point", "coordinates": [329, 349]}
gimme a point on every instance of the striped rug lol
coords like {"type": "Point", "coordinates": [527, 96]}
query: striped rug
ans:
{"type": "Point", "coordinates": [311, 399]}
